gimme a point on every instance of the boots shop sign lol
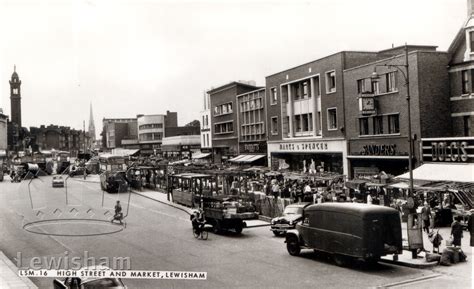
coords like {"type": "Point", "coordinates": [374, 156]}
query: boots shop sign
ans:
{"type": "Point", "coordinates": [452, 150]}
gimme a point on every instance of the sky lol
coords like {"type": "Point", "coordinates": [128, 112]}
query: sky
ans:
{"type": "Point", "coordinates": [147, 57]}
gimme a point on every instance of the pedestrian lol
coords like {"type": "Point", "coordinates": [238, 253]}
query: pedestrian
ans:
{"type": "Point", "coordinates": [470, 226]}
{"type": "Point", "coordinates": [369, 198]}
{"type": "Point", "coordinates": [456, 231]}
{"type": "Point", "coordinates": [426, 216]}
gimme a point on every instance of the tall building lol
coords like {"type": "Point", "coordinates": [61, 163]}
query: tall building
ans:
{"type": "Point", "coordinates": [15, 98]}
{"type": "Point", "coordinates": [224, 136]}
{"type": "Point", "coordinates": [3, 133]}
{"type": "Point", "coordinates": [91, 125]}
{"type": "Point", "coordinates": [461, 75]}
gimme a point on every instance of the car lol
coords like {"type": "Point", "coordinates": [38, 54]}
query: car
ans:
{"type": "Point", "coordinates": [347, 231]}
{"type": "Point", "coordinates": [58, 182]}
{"type": "Point", "coordinates": [291, 215]}
{"type": "Point", "coordinates": [90, 282]}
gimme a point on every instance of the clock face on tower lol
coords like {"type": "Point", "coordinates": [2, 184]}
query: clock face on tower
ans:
{"type": "Point", "coordinates": [15, 91]}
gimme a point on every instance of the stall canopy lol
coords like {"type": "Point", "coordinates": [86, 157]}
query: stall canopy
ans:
{"type": "Point", "coordinates": [442, 172]}
{"type": "Point", "coordinates": [247, 159]}
{"type": "Point", "coordinates": [201, 155]}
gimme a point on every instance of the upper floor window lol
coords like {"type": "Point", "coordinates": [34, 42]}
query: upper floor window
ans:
{"type": "Point", "coordinates": [331, 81]}
{"type": "Point", "coordinates": [393, 124]}
{"type": "Point", "coordinates": [223, 108]}
{"type": "Point", "coordinates": [227, 127]}
{"type": "Point", "coordinates": [465, 81]}
{"type": "Point", "coordinates": [378, 125]}
{"type": "Point", "coordinates": [305, 89]}
{"type": "Point", "coordinates": [471, 39]}
{"type": "Point", "coordinates": [273, 96]}
{"type": "Point", "coordinates": [364, 126]}
{"type": "Point", "coordinates": [274, 125]}
{"type": "Point", "coordinates": [390, 79]}
{"type": "Point", "coordinates": [332, 118]}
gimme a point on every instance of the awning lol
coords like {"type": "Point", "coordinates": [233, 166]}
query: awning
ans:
{"type": "Point", "coordinates": [200, 155]}
{"type": "Point", "coordinates": [246, 158]}
{"type": "Point", "coordinates": [443, 172]}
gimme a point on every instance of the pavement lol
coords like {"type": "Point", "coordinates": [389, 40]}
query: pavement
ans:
{"type": "Point", "coordinates": [9, 276]}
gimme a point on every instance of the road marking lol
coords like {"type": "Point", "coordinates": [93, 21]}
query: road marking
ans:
{"type": "Point", "coordinates": [410, 281]}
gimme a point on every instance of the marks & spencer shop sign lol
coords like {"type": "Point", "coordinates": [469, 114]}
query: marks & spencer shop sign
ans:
{"type": "Point", "coordinates": [307, 147]}
{"type": "Point", "coordinates": [453, 150]}
{"type": "Point", "coordinates": [310, 146]}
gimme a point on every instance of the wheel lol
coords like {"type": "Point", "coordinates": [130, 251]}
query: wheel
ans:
{"type": "Point", "coordinates": [276, 233]}
{"type": "Point", "coordinates": [340, 260]}
{"type": "Point", "coordinates": [204, 235]}
{"type": "Point", "coordinates": [238, 228]}
{"type": "Point", "coordinates": [195, 233]}
{"type": "Point", "coordinates": [293, 246]}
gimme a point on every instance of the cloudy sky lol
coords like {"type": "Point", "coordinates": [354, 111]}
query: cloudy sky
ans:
{"type": "Point", "coordinates": [131, 57]}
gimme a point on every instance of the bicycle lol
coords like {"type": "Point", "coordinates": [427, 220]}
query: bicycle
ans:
{"type": "Point", "coordinates": [200, 233]}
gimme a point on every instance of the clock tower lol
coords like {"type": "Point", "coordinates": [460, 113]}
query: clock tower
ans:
{"type": "Point", "coordinates": [15, 98]}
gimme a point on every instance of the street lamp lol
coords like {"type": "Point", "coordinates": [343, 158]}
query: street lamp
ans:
{"type": "Point", "coordinates": [404, 70]}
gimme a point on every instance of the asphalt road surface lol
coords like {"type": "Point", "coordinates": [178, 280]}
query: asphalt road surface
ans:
{"type": "Point", "coordinates": [159, 237]}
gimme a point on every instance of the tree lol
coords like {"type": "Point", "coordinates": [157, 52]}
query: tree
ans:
{"type": "Point", "coordinates": [194, 123]}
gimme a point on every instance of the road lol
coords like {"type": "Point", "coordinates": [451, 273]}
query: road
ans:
{"type": "Point", "coordinates": [159, 237]}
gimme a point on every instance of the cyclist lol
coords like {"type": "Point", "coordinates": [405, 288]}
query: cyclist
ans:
{"type": "Point", "coordinates": [198, 221]}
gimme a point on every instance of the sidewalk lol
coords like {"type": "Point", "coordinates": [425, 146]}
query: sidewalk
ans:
{"type": "Point", "coordinates": [9, 275]}
{"type": "Point", "coordinates": [406, 259]}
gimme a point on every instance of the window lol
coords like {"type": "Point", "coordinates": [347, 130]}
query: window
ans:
{"type": "Point", "coordinates": [378, 125]}
{"type": "Point", "coordinates": [332, 118]}
{"type": "Point", "coordinates": [467, 125]}
{"type": "Point", "coordinates": [226, 127]}
{"type": "Point", "coordinates": [203, 121]}
{"type": "Point", "coordinates": [366, 86]}
{"type": "Point", "coordinates": [465, 81]}
{"type": "Point", "coordinates": [471, 38]}
{"type": "Point", "coordinates": [317, 86]}
{"type": "Point", "coordinates": [390, 79]}
{"type": "Point", "coordinates": [274, 125]}
{"type": "Point", "coordinates": [207, 138]}
{"type": "Point", "coordinates": [393, 124]}
{"type": "Point", "coordinates": [375, 87]}
{"type": "Point", "coordinates": [297, 123]}
{"type": "Point", "coordinates": [305, 89]}
{"type": "Point", "coordinates": [207, 120]}
{"type": "Point", "coordinates": [331, 81]}
{"type": "Point", "coordinates": [364, 126]}
{"type": "Point", "coordinates": [273, 96]}
{"type": "Point", "coordinates": [223, 109]}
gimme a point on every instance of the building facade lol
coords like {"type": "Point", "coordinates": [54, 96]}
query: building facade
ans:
{"type": "Point", "coordinates": [461, 77]}
{"type": "Point", "coordinates": [151, 130]}
{"type": "Point", "coordinates": [205, 114]}
{"type": "Point", "coordinates": [60, 138]}
{"type": "Point", "coordinates": [376, 109]}
{"type": "Point", "coordinates": [114, 130]}
{"type": "Point", "coordinates": [305, 114]}
{"type": "Point", "coordinates": [3, 133]}
{"type": "Point", "coordinates": [251, 127]}
{"type": "Point", "coordinates": [224, 135]}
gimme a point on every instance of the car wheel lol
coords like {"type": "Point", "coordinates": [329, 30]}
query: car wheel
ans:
{"type": "Point", "coordinates": [293, 246]}
{"type": "Point", "coordinates": [238, 228]}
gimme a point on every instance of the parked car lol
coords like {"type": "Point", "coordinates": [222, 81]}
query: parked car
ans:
{"type": "Point", "coordinates": [58, 182]}
{"type": "Point", "coordinates": [89, 282]}
{"type": "Point", "coordinates": [291, 215]}
{"type": "Point", "coordinates": [347, 231]}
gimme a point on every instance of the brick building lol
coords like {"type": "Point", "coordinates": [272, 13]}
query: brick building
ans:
{"type": "Point", "coordinates": [224, 119]}
{"type": "Point", "coordinates": [305, 113]}
{"type": "Point", "coordinates": [59, 138]}
{"type": "Point", "coordinates": [376, 109]}
{"type": "Point", "coordinates": [461, 76]}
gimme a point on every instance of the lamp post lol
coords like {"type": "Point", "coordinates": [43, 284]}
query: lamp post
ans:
{"type": "Point", "coordinates": [417, 238]}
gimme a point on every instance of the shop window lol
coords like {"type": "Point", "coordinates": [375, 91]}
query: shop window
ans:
{"type": "Point", "coordinates": [274, 125]}
{"type": "Point", "coordinates": [331, 81]}
{"type": "Point", "coordinates": [378, 125]}
{"type": "Point", "coordinates": [393, 124]}
{"type": "Point", "coordinates": [465, 81]}
{"type": "Point", "coordinates": [332, 118]}
{"type": "Point", "coordinates": [364, 126]}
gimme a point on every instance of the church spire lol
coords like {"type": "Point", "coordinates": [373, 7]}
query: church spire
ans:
{"type": "Point", "coordinates": [91, 124]}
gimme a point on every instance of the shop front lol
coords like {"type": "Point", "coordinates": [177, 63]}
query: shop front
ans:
{"type": "Point", "coordinates": [308, 155]}
{"type": "Point", "coordinates": [251, 153]}
{"type": "Point", "coordinates": [371, 157]}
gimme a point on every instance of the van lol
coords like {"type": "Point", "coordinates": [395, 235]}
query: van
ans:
{"type": "Point", "coordinates": [347, 231]}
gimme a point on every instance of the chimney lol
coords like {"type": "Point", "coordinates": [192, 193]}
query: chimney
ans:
{"type": "Point", "coordinates": [470, 7]}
